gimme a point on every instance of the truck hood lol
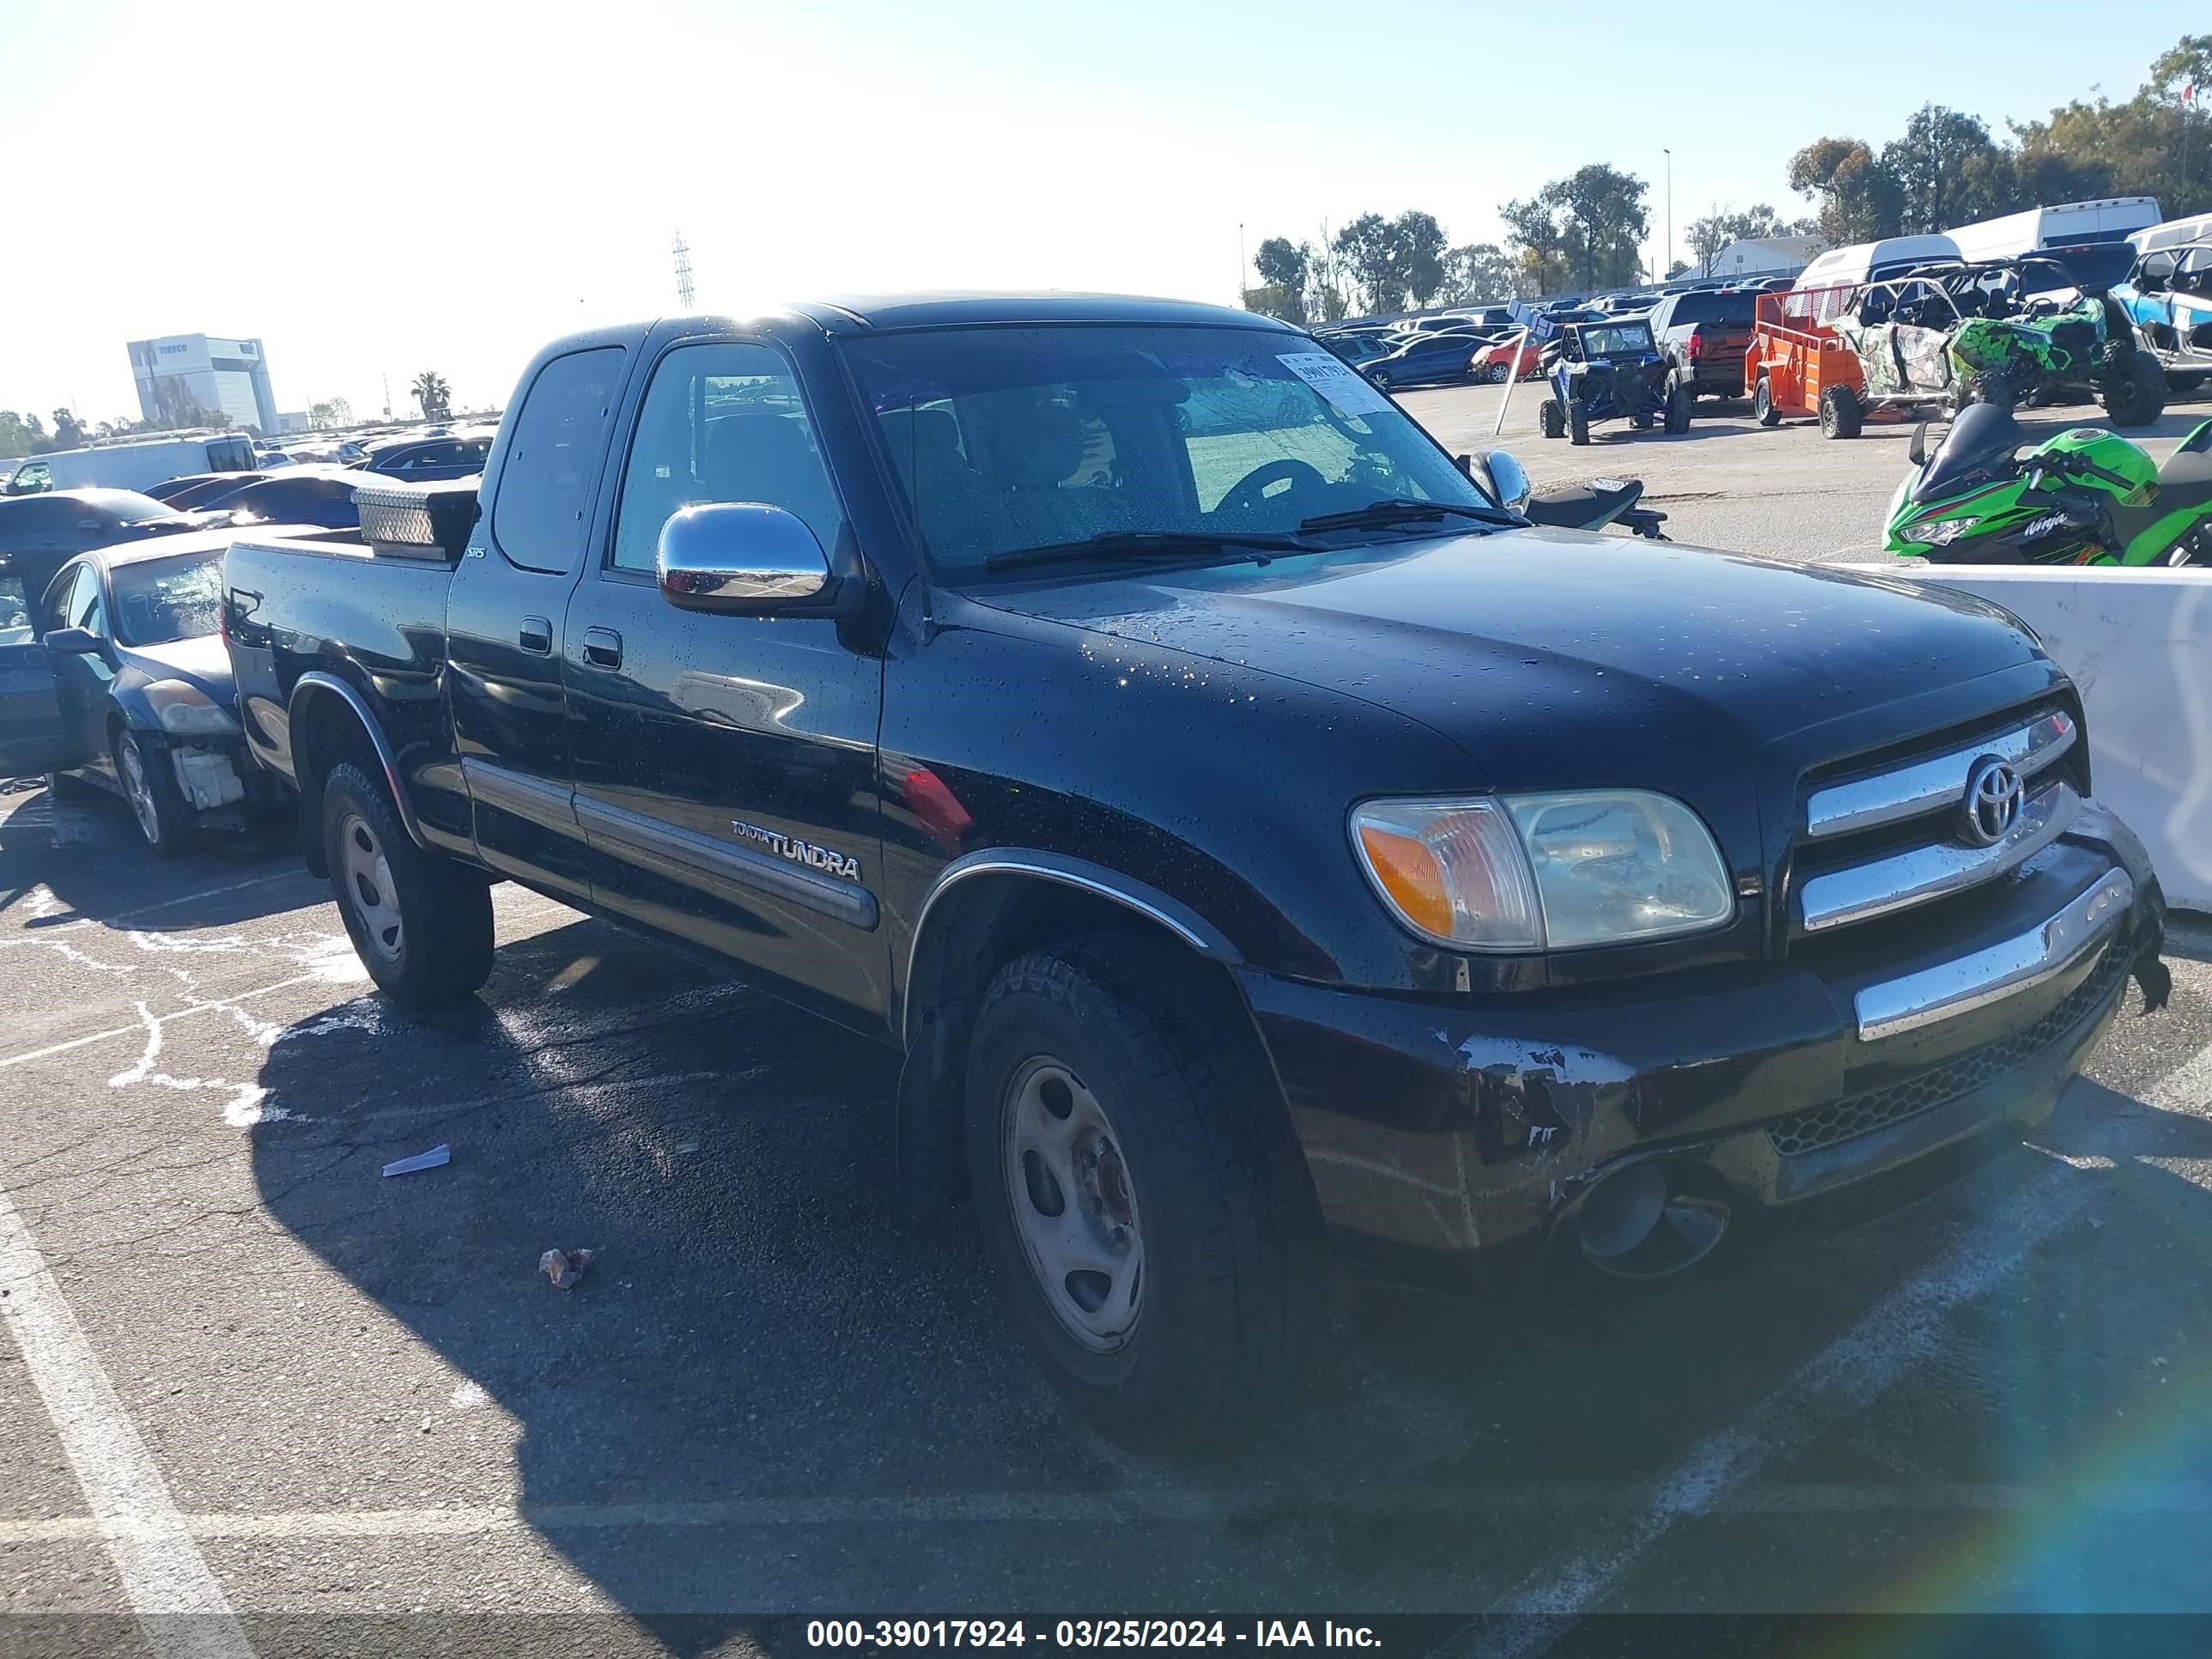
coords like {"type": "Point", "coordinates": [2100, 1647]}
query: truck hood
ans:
{"type": "Point", "coordinates": [1560, 660]}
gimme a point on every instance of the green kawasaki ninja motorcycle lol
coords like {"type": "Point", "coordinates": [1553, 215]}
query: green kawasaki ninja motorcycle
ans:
{"type": "Point", "coordinates": [2087, 497]}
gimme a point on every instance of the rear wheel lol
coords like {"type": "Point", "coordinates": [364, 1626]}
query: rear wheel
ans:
{"type": "Point", "coordinates": [2133, 387]}
{"type": "Point", "coordinates": [421, 923]}
{"type": "Point", "coordinates": [1840, 413]}
{"type": "Point", "coordinates": [1680, 406]}
{"type": "Point", "coordinates": [1551, 419]}
{"type": "Point", "coordinates": [149, 783]}
{"type": "Point", "coordinates": [1577, 421]}
{"type": "Point", "coordinates": [1132, 1192]}
{"type": "Point", "coordinates": [1762, 404]}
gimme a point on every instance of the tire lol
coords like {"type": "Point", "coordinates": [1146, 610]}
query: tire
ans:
{"type": "Point", "coordinates": [1490, 374]}
{"type": "Point", "coordinates": [1577, 421]}
{"type": "Point", "coordinates": [420, 924]}
{"type": "Point", "coordinates": [1551, 419]}
{"type": "Point", "coordinates": [1762, 404]}
{"type": "Point", "coordinates": [1181, 1178]}
{"type": "Point", "coordinates": [1841, 416]}
{"type": "Point", "coordinates": [1681, 407]}
{"type": "Point", "coordinates": [1381, 378]}
{"type": "Point", "coordinates": [149, 785]}
{"type": "Point", "coordinates": [2133, 387]}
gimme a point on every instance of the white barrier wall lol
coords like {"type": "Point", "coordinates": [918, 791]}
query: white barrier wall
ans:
{"type": "Point", "coordinates": [2139, 644]}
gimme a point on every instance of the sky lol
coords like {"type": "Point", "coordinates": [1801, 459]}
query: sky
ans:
{"type": "Point", "coordinates": [376, 190]}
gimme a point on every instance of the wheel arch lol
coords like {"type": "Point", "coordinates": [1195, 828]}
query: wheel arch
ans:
{"type": "Point", "coordinates": [983, 911]}
{"type": "Point", "coordinates": [330, 723]}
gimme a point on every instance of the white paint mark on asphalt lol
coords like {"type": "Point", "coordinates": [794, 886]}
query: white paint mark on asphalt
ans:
{"type": "Point", "coordinates": [468, 1395]}
{"type": "Point", "coordinates": [129, 1030]}
{"type": "Point", "coordinates": [1840, 1381]}
{"type": "Point", "coordinates": [179, 1607]}
{"type": "Point", "coordinates": [248, 1102]}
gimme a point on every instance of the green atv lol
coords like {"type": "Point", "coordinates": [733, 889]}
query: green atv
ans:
{"type": "Point", "coordinates": [2087, 497]}
{"type": "Point", "coordinates": [2027, 334]}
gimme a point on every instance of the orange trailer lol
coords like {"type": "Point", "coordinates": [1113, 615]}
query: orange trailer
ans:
{"type": "Point", "coordinates": [1794, 355]}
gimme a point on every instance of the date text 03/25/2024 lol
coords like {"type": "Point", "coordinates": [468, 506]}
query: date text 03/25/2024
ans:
{"type": "Point", "coordinates": [855, 1633]}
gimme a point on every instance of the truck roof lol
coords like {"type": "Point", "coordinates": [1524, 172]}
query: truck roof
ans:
{"type": "Point", "coordinates": [847, 315]}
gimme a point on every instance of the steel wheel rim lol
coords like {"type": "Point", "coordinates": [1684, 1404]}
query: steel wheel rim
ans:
{"type": "Point", "coordinates": [140, 794]}
{"type": "Point", "coordinates": [1073, 1206]}
{"type": "Point", "coordinates": [367, 879]}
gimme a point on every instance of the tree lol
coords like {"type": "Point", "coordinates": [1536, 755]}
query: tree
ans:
{"type": "Point", "coordinates": [1477, 273]}
{"type": "Point", "coordinates": [430, 390]}
{"type": "Point", "coordinates": [1538, 248]}
{"type": "Point", "coordinates": [2152, 145]}
{"type": "Point", "coordinates": [337, 411]}
{"type": "Point", "coordinates": [1860, 200]}
{"type": "Point", "coordinates": [1948, 171]}
{"type": "Point", "coordinates": [1372, 258]}
{"type": "Point", "coordinates": [1420, 245]}
{"type": "Point", "coordinates": [1586, 228]}
{"type": "Point", "coordinates": [69, 431]}
{"type": "Point", "coordinates": [1717, 229]}
{"type": "Point", "coordinates": [19, 434]}
{"type": "Point", "coordinates": [1283, 266]}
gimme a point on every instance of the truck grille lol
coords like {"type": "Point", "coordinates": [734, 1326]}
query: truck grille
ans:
{"type": "Point", "coordinates": [1828, 1126]}
{"type": "Point", "coordinates": [1904, 833]}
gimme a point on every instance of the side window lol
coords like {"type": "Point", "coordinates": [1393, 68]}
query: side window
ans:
{"type": "Point", "coordinates": [82, 609]}
{"type": "Point", "coordinates": [539, 519]}
{"type": "Point", "coordinates": [54, 605]}
{"type": "Point", "coordinates": [721, 423]}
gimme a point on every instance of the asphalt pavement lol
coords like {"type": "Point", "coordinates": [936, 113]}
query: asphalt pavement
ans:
{"type": "Point", "coordinates": [260, 1398]}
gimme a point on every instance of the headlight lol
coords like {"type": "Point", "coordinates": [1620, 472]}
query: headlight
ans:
{"type": "Point", "coordinates": [1556, 873]}
{"type": "Point", "coordinates": [1936, 533]}
{"type": "Point", "coordinates": [187, 710]}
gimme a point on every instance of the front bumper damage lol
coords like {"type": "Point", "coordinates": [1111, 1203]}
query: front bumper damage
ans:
{"type": "Point", "coordinates": [1437, 1134]}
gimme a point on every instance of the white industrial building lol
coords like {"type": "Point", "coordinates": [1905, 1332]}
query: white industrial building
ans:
{"type": "Point", "coordinates": [220, 373]}
{"type": "Point", "coordinates": [1764, 256]}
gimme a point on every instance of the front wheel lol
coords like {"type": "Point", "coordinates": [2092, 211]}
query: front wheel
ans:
{"type": "Point", "coordinates": [1132, 1193]}
{"type": "Point", "coordinates": [1762, 404]}
{"type": "Point", "coordinates": [149, 783]}
{"type": "Point", "coordinates": [1680, 406]}
{"type": "Point", "coordinates": [421, 923]}
{"type": "Point", "coordinates": [1577, 421]}
{"type": "Point", "coordinates": [1551, 419]}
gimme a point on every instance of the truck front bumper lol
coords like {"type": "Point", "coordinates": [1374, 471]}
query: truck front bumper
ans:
{"type": "Point", "coordinates": [1440, 1133]}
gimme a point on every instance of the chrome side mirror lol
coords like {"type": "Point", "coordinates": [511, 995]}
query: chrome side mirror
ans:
{"type": "Point", "coordinates": [1509, 479]}
{"type": "Point", "coordinates": [743, 557]}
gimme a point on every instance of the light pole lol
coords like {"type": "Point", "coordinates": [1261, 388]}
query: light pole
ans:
{"type": "Point", "coordinates": [1241, 267]}
{"type": "Point", "coordinates": [1667, 259]}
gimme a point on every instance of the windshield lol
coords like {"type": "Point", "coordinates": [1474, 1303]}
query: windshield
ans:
{"type": "Point", "coordinates": [1615, 339]}
{"type": "Point", "coordinates": [1981, 441]}
{"type": "Point", "coordinates": [1011, 439]}
{"type": "Point", "coordinates": [160, 600]}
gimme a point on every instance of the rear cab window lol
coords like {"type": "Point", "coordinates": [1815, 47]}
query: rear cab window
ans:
{"type": "Point", "coordinates": [541, 515]}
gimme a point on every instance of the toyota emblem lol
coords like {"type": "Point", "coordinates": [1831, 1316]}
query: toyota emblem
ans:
{"type": "Point", "coordinates": [1993, 794]}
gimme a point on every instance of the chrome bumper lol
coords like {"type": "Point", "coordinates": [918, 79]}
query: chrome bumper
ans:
{"type": "Point", "coordinates": [1999, 970]}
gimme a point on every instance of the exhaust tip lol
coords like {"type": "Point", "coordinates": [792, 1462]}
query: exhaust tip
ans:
{"type": "Point", "coordinates": [1649, 1220]}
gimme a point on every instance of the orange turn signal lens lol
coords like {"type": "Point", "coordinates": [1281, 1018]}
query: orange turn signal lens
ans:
{"type": "Point", "coordinates": [1411, 877]}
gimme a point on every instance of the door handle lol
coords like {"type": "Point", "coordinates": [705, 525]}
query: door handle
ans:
{"type": "Point", "coordinates": [536, 636]}
{"type": "Point", "coordinates": [602, 647]}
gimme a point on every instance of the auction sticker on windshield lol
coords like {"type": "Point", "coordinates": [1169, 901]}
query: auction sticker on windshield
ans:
{"type": "Point", "coordinates": [1335, 382]}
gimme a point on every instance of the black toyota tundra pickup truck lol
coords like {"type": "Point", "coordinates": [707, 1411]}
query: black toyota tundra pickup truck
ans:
{"type": "Point", "coordinates": [1261, 844]}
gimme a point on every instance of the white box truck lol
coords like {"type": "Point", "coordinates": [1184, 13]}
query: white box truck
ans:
{"type": "Point", "coordinates": [133, 464]}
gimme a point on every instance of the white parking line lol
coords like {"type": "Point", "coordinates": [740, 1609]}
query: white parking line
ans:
{"type": "Point", "coordinates": [164, 1577]}
{"type": "Point", "coordinates": [1835, 1384]}
{"type": "Point", "coordinates": [138, 1030]}
{"type": "Point", "coordinates": [298, 874]}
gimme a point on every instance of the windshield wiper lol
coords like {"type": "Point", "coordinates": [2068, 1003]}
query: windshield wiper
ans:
{"type": "Point", "coordinates": [1116, 543]}
{"type": "Point", "coordinates": [1393, 510]}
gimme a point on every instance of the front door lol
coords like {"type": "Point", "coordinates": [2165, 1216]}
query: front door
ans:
{"type": "Point", "coordinates": [725, 765]}
{"type": "Point", "coordinates": [81, 678]}
{"type": "Point", "coordinates": [33, 739]}
{"type": "Point", "coordinates": [503, 619]}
